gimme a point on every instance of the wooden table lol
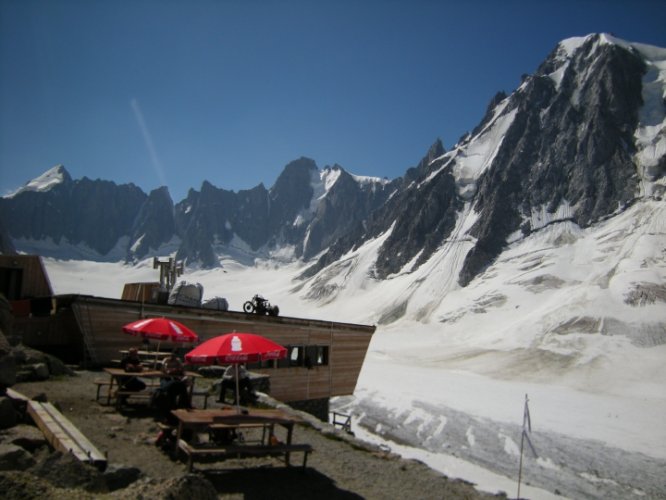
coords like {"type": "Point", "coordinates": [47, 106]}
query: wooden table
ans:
{"type": "Point", "coordinates": [148, 358]}
{"type": "Point", "coordinates": [118, 374]}
{"type": "Point", "coordinates": [198, 420]}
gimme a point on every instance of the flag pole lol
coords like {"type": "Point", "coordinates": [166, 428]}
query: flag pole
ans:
{"type": "Point", "coordinates": [527, 427]}
{"type": "Point", "coordinates": [520, 466]}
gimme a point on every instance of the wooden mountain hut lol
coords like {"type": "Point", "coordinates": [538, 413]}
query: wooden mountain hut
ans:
{"type": "Point", "coordinates": [324, 357]}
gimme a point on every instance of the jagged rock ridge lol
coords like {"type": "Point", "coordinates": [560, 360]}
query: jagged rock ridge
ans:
{"type": "Point", "coordinates": [571, 143]}
{"type": "Point", "coordinates": [563, 146]}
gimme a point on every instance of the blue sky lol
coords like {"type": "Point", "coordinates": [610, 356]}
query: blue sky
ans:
{"type": "Point", "coordinates": [177, 92]}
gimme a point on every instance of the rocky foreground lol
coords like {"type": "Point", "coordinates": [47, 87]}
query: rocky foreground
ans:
{"type": "Point", "coordinates": [340, 467]}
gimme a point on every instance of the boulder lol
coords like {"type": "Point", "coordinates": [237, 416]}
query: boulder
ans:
{"type": "Point", "coordinates": [27, 356]}
{"type": "Point", "coordinates": [13, 457]}
{"type": "Point", "coordinates": [20, 485]}
{"type": "Point", "coordinates": [7, 371]}
{"type": "Point", "coordinates": [66, 471]}
{"type": "Point", "coordinates": [28, 437]}
{"type": "Point", "coordinates": [41, 371]}
{"type": "Point", "coordinates": [120, 476]}
{"type": "Point", "coordinates": [8, 416]}
{"type": "Point", "coordinates": [191, 486]}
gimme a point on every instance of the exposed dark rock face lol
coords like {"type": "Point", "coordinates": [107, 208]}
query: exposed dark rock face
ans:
{"type": "Point", "coordinates": [212, 216]}
{"type": "Point", "coordinates": [569, 151]}
{"type": "Point", "coordinates": [92, 213]}
{"type": "Point", "coordinates": [154, 225]}
{"type": "Point", "coordinates": [570, 145]}
{"type": "Point", "coordinates": [296, 211]}
{"type": "Point", "coordinates": [347, 204]}
{"type": "Point", "coordinates": [6, 245]}
{"type": "Point", "coordinates": [290, 197]}
{"type": "Point", "coordinates": [424, 216]}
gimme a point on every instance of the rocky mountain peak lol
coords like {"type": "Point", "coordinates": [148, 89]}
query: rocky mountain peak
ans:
{"type": "Point", "coordinates": [55, 176]}
{"type": "Point", "coordinates": [154, 226]}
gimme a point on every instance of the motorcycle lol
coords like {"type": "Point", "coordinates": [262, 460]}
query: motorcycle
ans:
{"type": "Point", "coordinates": [260, 305]}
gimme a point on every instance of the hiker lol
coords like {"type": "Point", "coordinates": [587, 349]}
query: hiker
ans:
{"type": "Point", "coordinates": [131, 363]}
{"type": "Point", "coordinates": [229, 382]}
{"type": "Point", "coordinates": [174, 383]}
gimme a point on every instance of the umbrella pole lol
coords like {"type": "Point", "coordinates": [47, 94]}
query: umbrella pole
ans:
{"type": "Point", "coordinates": [237, 392]}
{"type": "Point", "coordinates": [157, 353]}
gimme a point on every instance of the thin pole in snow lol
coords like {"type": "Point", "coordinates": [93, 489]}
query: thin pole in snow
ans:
{"type": "Point", "coordinates": [238, 410]}
{"type": "Point", "coordinates": [527, 428]}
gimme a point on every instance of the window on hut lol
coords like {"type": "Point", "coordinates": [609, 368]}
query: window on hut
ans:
{"type": "Point", "coordinates": [307, 356]}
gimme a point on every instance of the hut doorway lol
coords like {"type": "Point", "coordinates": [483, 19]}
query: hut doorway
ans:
{"type": "Point", "coordinates": [11, 282]}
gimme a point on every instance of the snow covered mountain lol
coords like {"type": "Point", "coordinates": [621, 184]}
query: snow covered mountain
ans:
{"type": "Point", "coordinates": [581, 140]}
{"type": "Point", "coordinates": [54, 215]}
{"type": "Point", "coordinates": [299, 217]}
{"type": "Point", "coordinates": [529, 258]}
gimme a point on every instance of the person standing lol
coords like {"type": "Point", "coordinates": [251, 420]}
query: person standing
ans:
{"type": "Point", "coordinates": [229, 382]}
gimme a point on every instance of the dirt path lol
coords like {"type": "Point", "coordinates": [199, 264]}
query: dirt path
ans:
{"type": "Point", "coordinates": [337, 468]}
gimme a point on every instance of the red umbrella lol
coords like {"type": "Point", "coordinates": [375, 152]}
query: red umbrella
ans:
{"type": "Point", "coordinates": [235, 348]}
{"type": "Point", "coordinates": [161, 329]}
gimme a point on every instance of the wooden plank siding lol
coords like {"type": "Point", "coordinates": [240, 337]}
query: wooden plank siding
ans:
{"type": "Point", "coordinates": [140, 292]}
{"type": "Point", "coordinates": [101, 322]}
{"type": "Point", "coordinates": [34, 281]}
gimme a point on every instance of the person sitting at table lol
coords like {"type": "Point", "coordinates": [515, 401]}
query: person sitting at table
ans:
{"type": "Point", "coordinates": [131, 363]}
{"type": "Point", "coordinates": [172, 366]}
{"type": "Point", "coordinates": [229, 382]}
{"type": "Point", "coordinates": [174, 383]}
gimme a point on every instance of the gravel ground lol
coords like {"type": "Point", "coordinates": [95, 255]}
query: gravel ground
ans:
{"type": "Point", "coordinates": [340, 467]}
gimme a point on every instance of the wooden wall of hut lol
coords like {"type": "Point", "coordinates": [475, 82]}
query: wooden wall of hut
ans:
{"type": "Point", "coordinates": [101, 322]}
{"type": "Point", "coordinates": [56, 334]}
{"type": "Point", "coordinates": [141, 292]}
{"type": "Point", "coordinates": [23, 277]}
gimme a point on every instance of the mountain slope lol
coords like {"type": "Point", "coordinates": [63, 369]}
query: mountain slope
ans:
{"type": "Point", "coordinates": [579, 141]}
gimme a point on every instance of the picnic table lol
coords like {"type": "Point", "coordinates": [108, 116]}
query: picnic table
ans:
{"type": "Point", "coordinates": [148, 358]}
{"type": "Point", "coordinates": [117, 375]}
{"type": "Point", "coordinates": [196, 420]}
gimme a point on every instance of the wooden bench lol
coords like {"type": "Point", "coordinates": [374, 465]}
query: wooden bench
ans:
{"type": "Point", "coordinates": [100, 384]}
{"type": "Point", "coordinates": [205, 393]}
{"type": "Point", "coordinates": [122, 396]}
{"type": "Point", "coordinates": [238, 451]}
{"type": "Point", "coordinates": [146, 393]}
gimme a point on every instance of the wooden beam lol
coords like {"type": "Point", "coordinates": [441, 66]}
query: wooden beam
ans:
{"type": "Point", "coordinates": [17, 395]}
{"type": "Point", "coordinates": [63, 435]}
